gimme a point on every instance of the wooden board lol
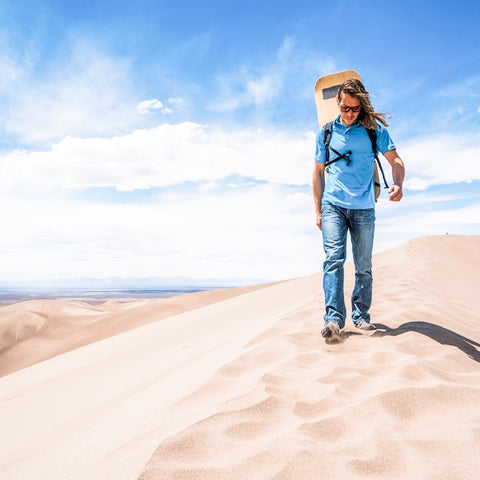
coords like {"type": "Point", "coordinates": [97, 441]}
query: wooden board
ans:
{"type": "Point", "coordinates": [326, 89]}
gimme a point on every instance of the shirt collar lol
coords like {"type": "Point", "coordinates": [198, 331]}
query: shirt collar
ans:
{"type": "Point", "coordinates": [339, 121]}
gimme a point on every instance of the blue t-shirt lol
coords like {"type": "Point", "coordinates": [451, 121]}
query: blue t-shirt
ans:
{"type": "Point", "coordinates": [351, 186]}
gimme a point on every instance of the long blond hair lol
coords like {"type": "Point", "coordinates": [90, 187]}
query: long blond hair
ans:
{"type": "Point", "coordinates": [368, 117]}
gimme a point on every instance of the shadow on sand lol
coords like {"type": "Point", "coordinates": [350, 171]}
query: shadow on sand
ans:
{"type": "Point", "coordinates": [439, 334]}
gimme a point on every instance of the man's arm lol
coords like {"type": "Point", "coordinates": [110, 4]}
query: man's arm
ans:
{"type": "Point", "coordinates": [318, 183]}
{"type": "Point", "coordinates": [398, 174]}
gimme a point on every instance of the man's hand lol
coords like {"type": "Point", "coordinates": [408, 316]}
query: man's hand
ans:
{"type": "Point", "coordinates": [395, 193]}
{"type": "Point", "coordinates": [319, 220]}
{"type": "Point", "coordinates": [398, 174]}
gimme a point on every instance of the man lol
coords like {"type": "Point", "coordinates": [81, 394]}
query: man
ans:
{"type": "Point", "coordinates": [345, 201]}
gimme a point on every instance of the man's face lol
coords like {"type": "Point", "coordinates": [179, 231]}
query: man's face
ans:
{"type": "Point", "coordinates": [349, 117]}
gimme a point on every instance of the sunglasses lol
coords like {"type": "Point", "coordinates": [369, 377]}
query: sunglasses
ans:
{"type": "Point", "coordinates": [346, 109]}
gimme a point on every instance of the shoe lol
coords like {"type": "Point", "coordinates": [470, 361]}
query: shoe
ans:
{"type": "Point", "coordinates": [331, 333]}
{"type": "Point", "coordinates": [363, 325]}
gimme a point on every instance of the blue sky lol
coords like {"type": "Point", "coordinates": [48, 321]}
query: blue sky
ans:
{"type": "Point", "coordinates": [176, 138]}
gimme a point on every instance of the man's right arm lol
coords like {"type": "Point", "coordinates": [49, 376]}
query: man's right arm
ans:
{"type": "Point", "coordinates": [318, 183]}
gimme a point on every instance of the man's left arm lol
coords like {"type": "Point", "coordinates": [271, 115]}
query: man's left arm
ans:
{"type": "Point", "coordinates": [398, 174]}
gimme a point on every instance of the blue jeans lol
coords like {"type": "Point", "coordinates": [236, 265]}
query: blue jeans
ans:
{"type": "Point", "coordinates": [336, 221]}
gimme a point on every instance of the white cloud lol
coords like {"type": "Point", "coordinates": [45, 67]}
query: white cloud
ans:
{"type": "Point", "coordinates": [397, 224]}
{"type": "Point", "coordinates": [427, 213]}
{"type": "Point", "coordinates": [187, 152]}
{"type": "Point", "coordinates": [416, 183]}
{"type": "Point", "coordinates": [162, 156]}
{"type": "Point", "coordinates": [220, 225]}
{"type": "Point", "coordinates": [146, 106]}
{"type": "Point", "coordinates": [441, 159]}
{"type": "Point", "coordinates": [228, 204]}
{"type": "Point", "coordinates": [254, 232]}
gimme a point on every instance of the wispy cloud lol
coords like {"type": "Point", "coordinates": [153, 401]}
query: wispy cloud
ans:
{"type": "Point", "coordinates": [88, 94]}
{"type": "Point", "coordinates": [175, 100]}
{"type": "Point", "coordinates": [245, 90]}
{"type": "Point", "coordinates": [290, 72]}
{"type": "Point", "coordinates": [442, 159]}
{"type": "Point", "coordinates": [394, 228]}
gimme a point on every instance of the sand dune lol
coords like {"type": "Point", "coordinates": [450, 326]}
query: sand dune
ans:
{"type": "Point", "coordinates": [245, 387]}
{"type": "Point", "coordinates": [36, 330]}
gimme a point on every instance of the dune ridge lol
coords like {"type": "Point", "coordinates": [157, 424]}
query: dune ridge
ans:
{"type": "Point", "coordinates": [245, 387]}
{"type": "Point", "coordinates": [36, 330]}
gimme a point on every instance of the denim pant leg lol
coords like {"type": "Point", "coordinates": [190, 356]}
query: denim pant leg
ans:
{"type": "Point", "coordinates": [362, 228]}
{"type": "Point", "coordinates": [334, 233]}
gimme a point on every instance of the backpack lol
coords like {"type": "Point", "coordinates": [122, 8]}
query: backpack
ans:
{"type": "Point", "coordinates": [372, 134]}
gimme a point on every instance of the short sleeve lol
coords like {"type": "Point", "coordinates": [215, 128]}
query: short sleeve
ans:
{"type": "Point", "coordinates": [384, 140]}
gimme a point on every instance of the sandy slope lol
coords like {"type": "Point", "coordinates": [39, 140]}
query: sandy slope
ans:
{"type": "Point", "coordinates": [245, 388]}
{"type": "Point", "coordinates": [36, 330]}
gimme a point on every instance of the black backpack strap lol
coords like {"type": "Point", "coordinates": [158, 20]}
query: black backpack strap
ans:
{"type": "Point", "coordinates": [372, 133]}
{"type": "Point", "coordinates": [327, 135]}
{"type": "Point", "coordinates": [340, 156]}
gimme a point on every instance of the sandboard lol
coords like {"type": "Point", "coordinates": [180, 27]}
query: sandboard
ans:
{"type": "Point", "coordinates": [326, 89]}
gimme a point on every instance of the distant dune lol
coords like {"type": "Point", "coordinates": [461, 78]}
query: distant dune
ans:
{"type": "Point", "coordinates": [36, 330]}
{"type": "Point", "coordinates": [239, 384]}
